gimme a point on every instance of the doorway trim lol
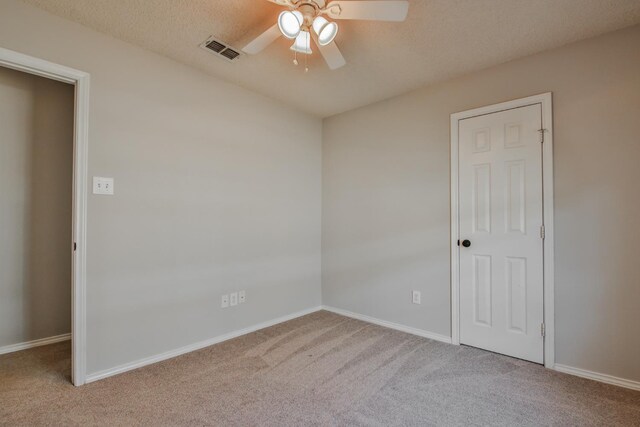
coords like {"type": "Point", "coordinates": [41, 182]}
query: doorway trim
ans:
{"type": "Point", "coordinates": [80, 79]}
{"type": "Point", "coordinates": [545, 101]}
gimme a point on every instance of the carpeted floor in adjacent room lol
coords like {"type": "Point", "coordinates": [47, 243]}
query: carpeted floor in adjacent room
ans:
{"type": "Point", "coordinates": [320, 369]}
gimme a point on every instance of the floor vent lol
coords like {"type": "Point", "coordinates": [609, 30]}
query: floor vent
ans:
{"type": "Point", "coordinates": [221, 50]}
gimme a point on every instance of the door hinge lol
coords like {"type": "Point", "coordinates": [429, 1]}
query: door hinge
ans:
{"type": "Point", "coordinates": [542, 234]}
{"type": "Point", "coordinates": [542, 131]}
{"type": "Point", "coordinates": [542, 330]}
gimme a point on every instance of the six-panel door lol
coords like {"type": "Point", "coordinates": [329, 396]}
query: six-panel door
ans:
{"type": "Point", "coordinates": [500, 197]}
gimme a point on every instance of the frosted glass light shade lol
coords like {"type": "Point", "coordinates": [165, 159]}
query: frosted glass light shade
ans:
{"type": "Point", "coordinates": [319, 23]}
{"type": "Point", "coordinates": [302, 43]}
{"type": "Point", "coordinates": [325, 30]}
{"type": "Point", "coordinates": [290, 23]}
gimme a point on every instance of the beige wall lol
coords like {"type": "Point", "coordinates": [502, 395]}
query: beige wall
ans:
{"type": "Point", "coordinates": [386, 198]}
{"type": "Point", "coordinates": [36, 151]}
{"type": "Point", "coordinates": [216, 189]}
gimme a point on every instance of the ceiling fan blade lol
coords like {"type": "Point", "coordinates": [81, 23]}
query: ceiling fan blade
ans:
{"type": "Point", "coordinates": [331, 54]}
{"type": "Point", "coordinates": [368, 10]}
{"type": "Point", "coordinates": [262, 41]}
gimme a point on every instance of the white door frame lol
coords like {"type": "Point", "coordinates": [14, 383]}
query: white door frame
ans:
{"type": "Point", "coordinates": [545, 102]}
{"type": "Point", "coordinates": [80, 79]}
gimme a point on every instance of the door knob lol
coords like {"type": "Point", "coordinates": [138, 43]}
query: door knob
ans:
{"type": "Point", "coordinates": [466, 243]}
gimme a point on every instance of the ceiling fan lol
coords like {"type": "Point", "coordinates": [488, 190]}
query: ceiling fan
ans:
{"type": "Point", "coordinates": [307, 19]}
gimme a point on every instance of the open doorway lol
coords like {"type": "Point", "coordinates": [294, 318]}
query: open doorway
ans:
{"type": "Point", "coordinates": [36, 172]}
{"type": "Point", "coordinates": [43, 180]}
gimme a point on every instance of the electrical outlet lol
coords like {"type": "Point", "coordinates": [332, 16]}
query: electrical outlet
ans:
{"type": "Point", "coordinates": [242, 297]}
{"type": "Point", "coordinates": [224, 302]}
{"type": "Point", "coordinates": [102, 185]}
{"type": "Point", "coordinates": [233, 298]}
{"type": "Point", "coordinates": [415, 297]}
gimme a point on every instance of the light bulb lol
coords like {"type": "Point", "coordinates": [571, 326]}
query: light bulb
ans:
{"type": "Point", "coordinates": [325, 30]}
{"type": "Point", "coordinates": [290, 23]}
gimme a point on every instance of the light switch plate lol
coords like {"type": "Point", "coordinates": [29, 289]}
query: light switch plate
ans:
{"type": "Point", "coordinates": [233, 298]}
{"type": "Point", "coordinates": [242, 297]}
{"type": "Point", "coordinates": [415, 297]}
{"type": "Point", "coordinates": [102, 185]}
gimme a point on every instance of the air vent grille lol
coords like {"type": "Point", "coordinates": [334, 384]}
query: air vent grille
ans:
{"type": "Point", "coordinates": [221, 49]}
{"type": "Point", "coordinates": [215, 46]}
{"type": "Point", "coordinates": [230, 53]}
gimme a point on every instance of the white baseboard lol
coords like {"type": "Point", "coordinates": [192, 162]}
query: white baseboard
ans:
{"type": "Point", "coordinates": [35, 343]}
{"type": "Point", "coordinates": [603, 378]}
{"type": "Point", "coordinates": [193, 347]}
{"type": "Point", "coordinates": [386, 324]}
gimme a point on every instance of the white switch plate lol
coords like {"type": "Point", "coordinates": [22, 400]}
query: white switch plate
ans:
{"type": "Point", "coordinates": [102, 185]}
{"type": "Point", "coordinates": [224, 302]}
{"type": "Point", "coordinates": [233, 298]}
{"type": "Point", "coordinates": [415, 297]}
{"type": "Point", "coordinates": [242, 297]}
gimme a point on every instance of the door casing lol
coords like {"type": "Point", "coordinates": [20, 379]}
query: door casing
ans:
{"type": "Point", "coordinates": [545, 101]}
{"type": "Point", "coordinates": [80, 80]}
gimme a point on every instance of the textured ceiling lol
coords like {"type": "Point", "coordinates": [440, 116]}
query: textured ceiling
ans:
{"type": "Point", "coordinates": [440, 39]}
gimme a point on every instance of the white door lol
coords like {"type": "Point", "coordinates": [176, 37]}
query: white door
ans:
{"type": "Point", "coordinates": [501, 246]}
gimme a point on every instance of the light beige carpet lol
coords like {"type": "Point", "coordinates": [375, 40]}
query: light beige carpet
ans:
{"type": "Point", "coordinates": [321, 369]}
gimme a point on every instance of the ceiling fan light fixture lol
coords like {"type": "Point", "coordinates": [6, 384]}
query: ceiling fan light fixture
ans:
{"type": "Point", "coordinates": [302, 43]}
{"type": "Point", "coordinates": [328, 34]}
{"type": "Point", "coordinates": [290, 23]}
{"type": "Point", "coordinates": [325, 30]}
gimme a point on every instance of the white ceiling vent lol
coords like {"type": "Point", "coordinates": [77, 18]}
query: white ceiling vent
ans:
{"type": "Point", "coordinates": [221, 49]}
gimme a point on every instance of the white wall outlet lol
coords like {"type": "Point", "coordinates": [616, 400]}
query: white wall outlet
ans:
{"type": "Point", "coordinates": [415, 297]}
{"type": "Point", "coordinates": [233, 298]}
{"type": "Point", "coordinates": [242, 297]}
{"type": "Point", "coordinates": [224, 301]}
{"type": "Point", "coordinates": [102, 185]}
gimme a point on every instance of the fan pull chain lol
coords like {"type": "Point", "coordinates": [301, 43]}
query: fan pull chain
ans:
{"type": "Point", "coordinates": [295, 58]}
{"type": "Point", "coordinates": [306, 68]}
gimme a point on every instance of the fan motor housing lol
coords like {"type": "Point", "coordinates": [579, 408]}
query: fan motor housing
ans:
{"type": "Point", "coordinates": [317, 3]}
{"type": "Point", "coordinates": [309, 12]}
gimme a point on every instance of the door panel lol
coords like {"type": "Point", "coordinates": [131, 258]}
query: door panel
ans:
{"type": "Point", "coordinates": [482, 198]}
{"type": "Point", "coordinates": [482, 289]}
{"type": "Point", "coordinates": [500, 198]}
